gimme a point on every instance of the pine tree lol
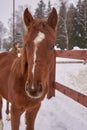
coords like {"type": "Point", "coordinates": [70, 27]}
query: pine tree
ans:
{"type": "Point", "coordinates": [19, 25]}
{"type": "Point", "coordinates": [62, 33]}
{"type": "Point", "coordinates": [3, 31]}
{"type": "Point", "coordinates": [48, 8]}
{"type": "Point", "coordinates": [40, 10]}
{"type": "Point", "coordinates": [85, 21]}
{"type": "Point", "coordinates": [70, 20]}
{"type": "Point", "coordinates": [79, 29]}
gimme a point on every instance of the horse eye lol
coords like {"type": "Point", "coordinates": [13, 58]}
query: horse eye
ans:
{"type": "Point", "coordinates": [52, 46]}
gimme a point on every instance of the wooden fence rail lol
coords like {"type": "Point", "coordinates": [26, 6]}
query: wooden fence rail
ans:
{"type": "Point", "coordinates": [80, 98]}
{"type": "Point", "coordinates": [74, 54]}
{"type": "Point", "coordinates": [77, 96]}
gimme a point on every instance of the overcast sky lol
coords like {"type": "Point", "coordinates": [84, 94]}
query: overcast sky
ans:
{"type": "Point", "coordinates": [6, 7]}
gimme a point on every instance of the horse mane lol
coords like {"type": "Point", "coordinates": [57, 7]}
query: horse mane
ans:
{"type": "Point", "coordinates": [19, 66]}
{"type": "Point", "coordinates": [15, 68]}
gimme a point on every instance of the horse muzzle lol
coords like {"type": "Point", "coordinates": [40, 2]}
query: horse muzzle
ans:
{"type": "Point", "coordinates": [34, 92]}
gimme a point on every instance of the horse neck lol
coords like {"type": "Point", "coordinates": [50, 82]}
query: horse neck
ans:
{"type": "Point", "coordinates": [16, 69]}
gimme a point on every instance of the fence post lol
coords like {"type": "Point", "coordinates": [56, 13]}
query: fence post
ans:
{"type": "Point", "coordinates": [51, 79]}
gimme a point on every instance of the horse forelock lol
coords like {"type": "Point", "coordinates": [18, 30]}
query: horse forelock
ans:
{"type": "Point", "coordinates": [39, 25]}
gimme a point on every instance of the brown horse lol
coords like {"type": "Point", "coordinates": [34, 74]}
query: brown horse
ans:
{"type": "Point", "coordinates": [23, 80]}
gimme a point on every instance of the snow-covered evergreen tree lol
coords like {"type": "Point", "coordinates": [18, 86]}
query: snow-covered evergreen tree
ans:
{"type": "Point", "coordinates": [85, 21]}
{"type": "Point", "coordinates": [79, 27]}
{"type": "Point", "coordinates": [40, 10]}
{"type": "Point", "coordinates": [20, 31]}
{"type": "Point", "coordinates": [48, 8]}
{"type": "Point", "coordinates": [3, 31]}
{"type": "Point", "coordinates": [62, 33]}
{"type": "Point", "coordinates": [70, 20]}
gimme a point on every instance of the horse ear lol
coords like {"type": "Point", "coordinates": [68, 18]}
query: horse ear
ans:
{"type": "Point", "coordinates": [23, 61]}
{"type": "Point", "coordinates": [27, 17]}
{"type": "Point", "coordinates": [53, 18]}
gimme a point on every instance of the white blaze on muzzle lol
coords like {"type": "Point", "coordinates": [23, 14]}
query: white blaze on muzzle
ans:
{"type": "Point", "coordinates": [40, 37]}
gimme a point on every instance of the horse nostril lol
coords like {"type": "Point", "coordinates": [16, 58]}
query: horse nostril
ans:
{"type": "Point", "coordinates": [40, 88]}
{"type": "Point", "coordinates": [29, 89]}
{"type": "Point", "coordinates": [32, 90]}
{"type": "Point", "coordinates": [26, 86]}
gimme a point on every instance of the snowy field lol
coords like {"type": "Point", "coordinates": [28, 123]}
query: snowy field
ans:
{"type": "Point", "coordinates": [61, 112]}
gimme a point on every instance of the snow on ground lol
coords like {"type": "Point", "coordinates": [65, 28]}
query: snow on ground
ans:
{"type": "Point", "coordinates": [72, 75]}
{"type": "Point", "coordinates": [61, 112]}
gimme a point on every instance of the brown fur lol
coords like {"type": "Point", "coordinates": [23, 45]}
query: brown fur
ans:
{"type": "Point", "coordinates": [16, 73]}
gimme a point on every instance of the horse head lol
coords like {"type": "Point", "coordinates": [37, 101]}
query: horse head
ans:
{"type": "Point", "coordinates": [37, 54]}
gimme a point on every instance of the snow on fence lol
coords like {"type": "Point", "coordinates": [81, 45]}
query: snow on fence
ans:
{"type": "Point", "coordinates": [74, 54]}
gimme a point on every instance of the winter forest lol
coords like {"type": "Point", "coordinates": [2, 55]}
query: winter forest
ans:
{"type": "Point", "coordinates": [72, 25]}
